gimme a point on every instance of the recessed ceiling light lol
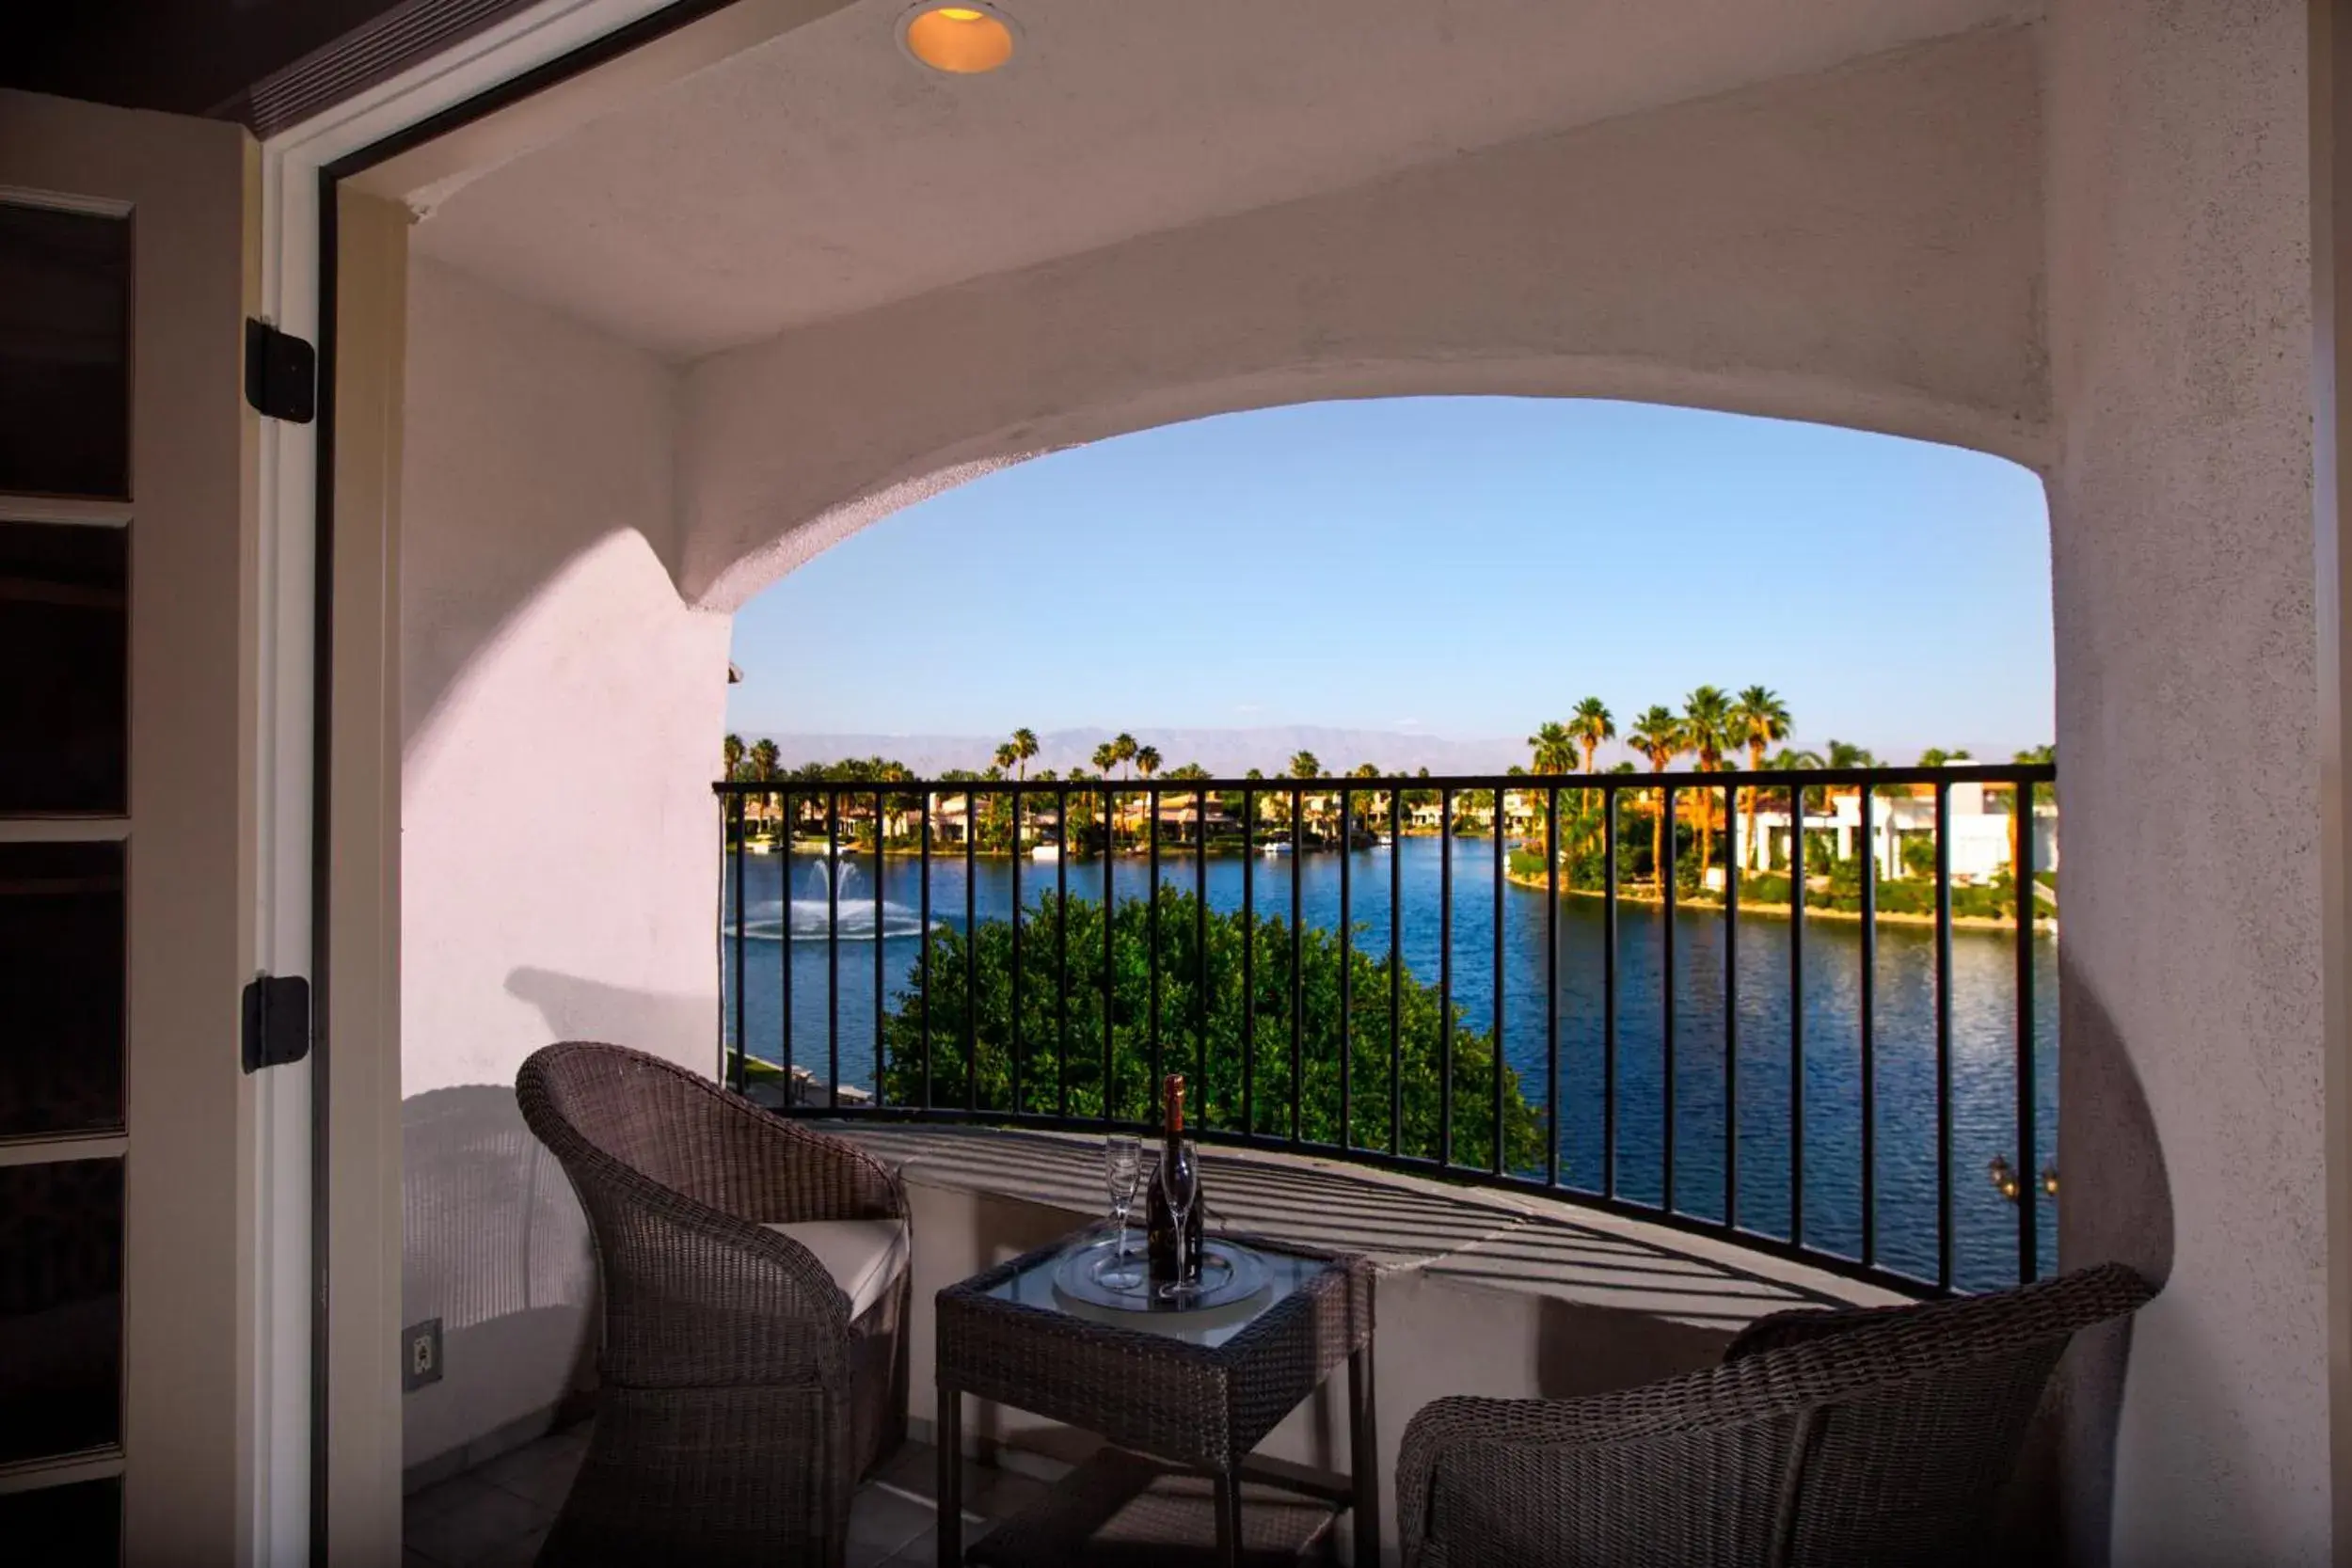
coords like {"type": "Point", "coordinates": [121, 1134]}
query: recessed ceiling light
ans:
{"type": "Point", "coordinates": [962, 40]}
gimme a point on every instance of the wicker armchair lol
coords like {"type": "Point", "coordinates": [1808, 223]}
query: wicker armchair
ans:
{"type": "Point", "coordinates": [741, 1398]}
{"type": "Point", "coordinates": [1843, 1437]}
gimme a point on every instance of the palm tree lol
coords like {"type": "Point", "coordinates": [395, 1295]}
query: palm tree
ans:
{"type": "Point", "coordinates": [1123, 749]}
{"type": "Point", "coordinates": [1554, 747]}
{"type": "Point", "coordinates": [1305, 765]}
{"type": "Point", "coordinates": [1591, 724]}
{"type": "Point", "coordinates": [1007, 756]}
{"type": "Point", "coordinates": [764, 764]}
{"type": "Point", "coordinates": [1708, 730]}
{"type": "Point", "coordinates": [1935, 756]}
{"type": "Point", "coordinates": [1761, 719]}
{"type": "Point", "coordinates": [1658, 736]}
{"type": "Point", "coordinates": [731, 757]}
{"type": "Point", "coordinates": [1554, 750]}
{"type": "Point", "coordinates": [1025, 746]}
{"type": "Point", "coordinates": [1147, 764]}
{"type": "Point", "coordinates": [1106, 758]}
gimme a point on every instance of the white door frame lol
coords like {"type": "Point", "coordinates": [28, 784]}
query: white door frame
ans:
{"type": "Point", "coordinates": [345, 1330]}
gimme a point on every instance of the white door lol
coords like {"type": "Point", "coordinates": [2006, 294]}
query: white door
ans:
{"type": "Point", "coordinates": [133, 1401]}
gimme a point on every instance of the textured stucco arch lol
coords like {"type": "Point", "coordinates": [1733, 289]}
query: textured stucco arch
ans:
{"type": "Point", "coordinates": [1860, 248]}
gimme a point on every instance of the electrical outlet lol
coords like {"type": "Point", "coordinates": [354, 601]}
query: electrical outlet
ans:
{"type": "Point", "coordinates": [419, 1354]}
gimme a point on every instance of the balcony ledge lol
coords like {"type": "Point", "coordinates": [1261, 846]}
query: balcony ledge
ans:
{"type": "Point", "coordinates": [1482, 1238]}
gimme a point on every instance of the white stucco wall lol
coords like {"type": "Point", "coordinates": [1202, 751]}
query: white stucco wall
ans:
{"type": "Point", "coordinates": [1861, 247]}
{"type": "Point", "coordinates": [2181, 516]}
{"type": "Point", "coordinates": [562, 710]}
{"type": "Point", "coordinates": [2081, 244]}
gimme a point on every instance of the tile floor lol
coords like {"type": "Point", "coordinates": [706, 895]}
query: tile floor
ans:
{"type": "Point", "coordinates": [495, 1517]}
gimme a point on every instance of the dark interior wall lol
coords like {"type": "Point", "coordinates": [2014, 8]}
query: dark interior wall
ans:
{"type": "Point", "coordinates": [191, 57]}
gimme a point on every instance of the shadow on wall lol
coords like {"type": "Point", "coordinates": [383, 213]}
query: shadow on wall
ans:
{"type": "Point", "coordinates": [682, 1029]}
{"type": "Point", "coordinates": [2117, 1206]}
{"type": "Point", "coordinates": [495, 1247]}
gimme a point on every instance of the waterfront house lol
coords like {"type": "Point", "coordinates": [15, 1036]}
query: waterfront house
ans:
{"type": "Point", "coordinates": [1980, 829]}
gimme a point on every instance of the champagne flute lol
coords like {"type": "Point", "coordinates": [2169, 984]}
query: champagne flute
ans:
{"type": "Point", "coordinates": [1180, 1183]}
{"type": "Point", "coordinates": [1123, 1172]}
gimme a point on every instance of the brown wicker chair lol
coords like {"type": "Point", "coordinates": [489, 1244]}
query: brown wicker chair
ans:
{"type": "Point", "coordinates": [1845, 1437]}
{"type": "Point", "coordinates": [740, 1399]}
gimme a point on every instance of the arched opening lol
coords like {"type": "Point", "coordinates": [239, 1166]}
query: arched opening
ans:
{"type": "Point", "coordinates": [1436, 611]}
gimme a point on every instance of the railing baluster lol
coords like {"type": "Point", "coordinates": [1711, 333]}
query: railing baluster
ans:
{"type": "Point", "coordinates": [1203, 1005]}
{"type": "Point", "coordinates": [1347, 989]}
{"type": "Point", "coordinates": [1942, 1037]}
{"type": "Point", "coordinates": [1151, 925]}
{"type": "Point", "coordinates": [1666, 872]}
{"type": "Point", "coordinates": [1796, 1017]}
{"type": "Point", "coordinates": [1445, 977]}
{"type": "Point", "coordinates": [1248, 962]}
{"type": "Point", "coordinates": [923, 947]}
{"type": "Point", "coordinates": [1396, 967]}
{"type": "Point", "coordinates": [971, 950]}
{"type": "Point", "coordinates": [879, 974]}
{"type": "Point", "coordinates": [833, 948]}
{"type": "Point", "coordinates": [1299, 989]}
{"type": "Point", "coordinates": [1110, 988]}
{"type": "Point", "coordinates": [1016, 1042]}
{"type": "Point", "coordinates": [1868, 1000]}
{"type": "Point", "coordinates": [1501, 816]}
{"type": "Point", "coordinates": [1609, 794]}
{"type": "Point", "coordinates": [784, 944]}
{"type": "Point", "coordinates": [1551, 986]}
{"type": "Point", "coordinates": [2028, 1164]}
{"type": "Point", "coordinates": [1731, 1008]}
{"type": "Point", "coordinates": [742, 1045]}
{"type": "Point", "coordinates": [1062, 956]}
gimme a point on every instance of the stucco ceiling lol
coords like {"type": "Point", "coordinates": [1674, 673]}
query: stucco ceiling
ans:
{"type": "Point", "coordinates": [822, 173]}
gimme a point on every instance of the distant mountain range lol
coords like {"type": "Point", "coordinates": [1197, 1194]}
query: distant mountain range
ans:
{"type": "Point", "coordinates": [1226, 753]}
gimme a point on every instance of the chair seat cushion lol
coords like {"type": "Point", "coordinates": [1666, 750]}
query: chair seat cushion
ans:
{"type": "Point", "coordinates": [864, 1257]}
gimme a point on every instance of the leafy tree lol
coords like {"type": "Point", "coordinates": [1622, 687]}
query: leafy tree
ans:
{"type": "Point", "coordinates": [1760, 719]}
{"type": "Point", "coordinates": [1708, 729]}
{"type": "Point", "coordinates": [1201, 1032]}
{"type": "Point", "coordinates": [1554, 748]}
{"type": "Point", "coordinates": [1591, 724]}
{"type": "Point", "coordinates": [763, 764]}
{"type": "Point", "coordinates": [1658, 736]}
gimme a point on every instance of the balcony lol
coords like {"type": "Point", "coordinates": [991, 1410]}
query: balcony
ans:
{"type": "Point", "coordinates": [1840, 1059]}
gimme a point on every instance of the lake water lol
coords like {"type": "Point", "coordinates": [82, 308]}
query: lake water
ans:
{"type": "Point", "coordinates": [1984, 1012]}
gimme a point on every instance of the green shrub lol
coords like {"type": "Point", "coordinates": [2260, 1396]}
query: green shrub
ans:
{"type": "Point", "coordinates": [1188, 1018]}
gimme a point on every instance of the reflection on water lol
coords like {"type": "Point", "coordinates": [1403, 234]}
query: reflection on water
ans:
{"type": "Point", "coordinates": [1709, 1078]}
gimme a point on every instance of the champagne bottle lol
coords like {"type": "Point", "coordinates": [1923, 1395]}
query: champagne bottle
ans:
{"type": "Point", "coordinates": [1161, 1250]}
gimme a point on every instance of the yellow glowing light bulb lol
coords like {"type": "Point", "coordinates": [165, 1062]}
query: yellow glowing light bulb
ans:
{"type": "Point", "coordinates": [962, 40]}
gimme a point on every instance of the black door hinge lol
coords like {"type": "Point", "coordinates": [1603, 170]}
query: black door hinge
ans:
{"type": "Point", "coordinates": [281, 373]}
{"type": "Point", "coordinates": [276, 1021]}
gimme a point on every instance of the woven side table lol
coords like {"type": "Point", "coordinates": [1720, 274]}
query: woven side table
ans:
{"type": "Point", "coordinates": [1185, 1402]}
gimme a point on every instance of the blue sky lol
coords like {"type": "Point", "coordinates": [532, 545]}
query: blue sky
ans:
{"type": "Point", "coordinates": [1465, 567]}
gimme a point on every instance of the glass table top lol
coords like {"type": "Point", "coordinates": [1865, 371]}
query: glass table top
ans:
{"type": "Point", "coordinates": [1286, 1273]}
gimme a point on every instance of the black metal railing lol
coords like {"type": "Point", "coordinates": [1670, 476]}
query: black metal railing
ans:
{"type": "Point", "coordinates": [1786, 1009]}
